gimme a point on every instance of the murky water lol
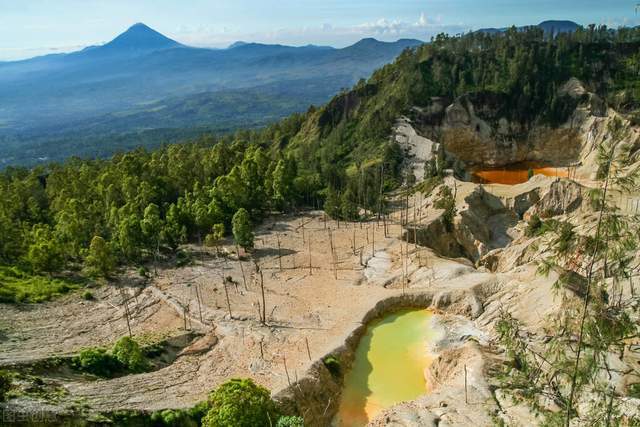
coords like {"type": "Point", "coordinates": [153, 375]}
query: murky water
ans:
{"type": "Point", "coordinates": [515, 174]}
{"type": "Point", "coordinates": [388, 368]}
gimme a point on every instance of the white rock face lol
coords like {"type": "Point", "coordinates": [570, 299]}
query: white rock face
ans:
{"type": "Point", "coordinates": [419, 148]}
{"type": "Point", "coordinates": [572, 88]}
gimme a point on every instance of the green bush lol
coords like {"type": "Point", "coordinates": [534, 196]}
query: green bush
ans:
{"type": "Point", "coordinates": [290, 421]}
{"type": "Point", "coordinates": [182, 259]}
{"type": "Point", "coordinates": [333, 365]}
{"type": "Point", "coordinates": [240, 403]}
{"type": "Point", "coordinates": [142, 272]}
{"type": "Point", "coordinates": [97, 361]}
{"type": "Point", "coordinates": [126, 356]}
{"type": "Point", "coordinates": [5, 385]}
{"type": "Point", "coordinates": [87, 295]}
{"type": "Point", "coordinates": [129, 355]}
{"type": "Point", "coordinates": [180, 417]}
{"type": "Point", "coordinates": [447, 202]}
{"type": "Point", "coordinates": [534, 225]}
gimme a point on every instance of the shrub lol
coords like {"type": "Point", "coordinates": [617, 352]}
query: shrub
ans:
{"type": "Point", "coordinates": [182, 259]}
{"type": "Point", "coordinates": [97, 361]}
{"type": "Point", "coordinates": [128, 353]}
{"type": "Point", "coordinates": [177, 417]}
{"type": "Point", "coordinates": [125, 356]}
{"type": "Point", "coordinates": [87, 295]}
{"type": "Point", "coordinates": [333, 365]}
{"type": "Point", "coordinates": [240, 403]}
{"type": "Point", "coordinates": [142, 272]}
{"type": "Point", "coordinates": [447, 202]}
{"type": "Point", "coordinates": [290, 421]}
{"type": "Point", "coordinates": [5, 385]}
{"type": "Point", "coordinates": [533, 226]}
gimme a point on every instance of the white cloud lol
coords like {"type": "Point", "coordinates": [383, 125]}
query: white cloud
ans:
{"type": "Point", "coordinates": [423, 20]}
{"type": "Point", "coordinates": [386, 29]}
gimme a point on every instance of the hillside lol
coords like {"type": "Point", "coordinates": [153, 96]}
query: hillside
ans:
{"type": "Point", "coordinates": [517, 92]}
{"type": "Point", "coordinates": [64, 96]}
{"type": "Point", "coordinates": [217, 250]}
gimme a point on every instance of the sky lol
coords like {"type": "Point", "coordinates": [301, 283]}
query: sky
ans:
{"type": "Point", "coordinates": [34, 27]}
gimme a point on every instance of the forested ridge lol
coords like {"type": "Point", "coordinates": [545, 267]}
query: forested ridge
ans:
{"type": "Point", "coordinates": [87, 216]}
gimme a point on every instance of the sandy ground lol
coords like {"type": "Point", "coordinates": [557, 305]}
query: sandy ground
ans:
{"type": "Point", "coordinates": [30, 333]}
{"type": "Point", "coordinates": [302, 305]}
{"type": "Point", "coordinates": [313, 299]}
{"type": "Point", "coordinates": [320, 306]}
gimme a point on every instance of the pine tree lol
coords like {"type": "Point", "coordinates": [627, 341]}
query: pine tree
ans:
{"type": "Point", "coordinates": [595, 262]}
{"type": "Point", "coordinates": [100, 260]}
{"type": "Point", "coordinates": [332, 204]}
{"type": "Point", "coordinates": [44, 253]}
{"type": "Point", "coordinates": [214, 238]}
{"type": "Point", "coordinates": [242, 231]}
{"type": "Point", "coordinates": [151, 226]}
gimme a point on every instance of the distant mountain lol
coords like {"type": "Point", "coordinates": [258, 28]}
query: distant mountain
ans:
{"type": "Point", "coordinates": [140, 38]}
{"type": "Point", "coordinates": [138, 70]}
{"type": "Point", "coordinates": [556, 27]}
{"type": "Point", "coordinates": [237, 44]}
{"type": "Point", "coordinates": [549, 27]}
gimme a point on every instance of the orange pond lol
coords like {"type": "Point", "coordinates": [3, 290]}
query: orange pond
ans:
{"type": "Point", "coordinates": [515, 174]}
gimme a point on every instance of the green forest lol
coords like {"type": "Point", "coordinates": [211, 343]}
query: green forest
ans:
{"type": "Point", "coordinates": [85, 217]}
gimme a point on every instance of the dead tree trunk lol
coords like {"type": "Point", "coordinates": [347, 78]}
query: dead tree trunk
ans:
{"type": "Point", "coordinates": [264, 304]}
{"type": "Point", "coordinates": [466, 397]}
{"type": "Point", "coordinates": [310, 267]}
{"type": "Point", "coordinates": [353, 241]}
{"type": "Point", "coordinates": [403, 270]}
{"type": "Point", "coordinates": [226, 294]}
{"type": "Point", "coordinates": [303, 238]}
{"type": "Point", "coordinates": [279, 252]}
{"type": "Point", "coordinates": [244, 279]}
{"type": "Point", "coordinates": [127, 314]}
{"type": "Point", "coordinates": [333, 256]}
{"type": "Point", "coordinates": [306, 340]}
{"type": "Point", "coordinates": [284, 361]}
{"type": "Point", "coordinates": [381, 191]}
{"type": "Point", "coordinates": [199, 302]}
{"type": "Point", "coordinates": [384, 224]}
{"type": "Point", "coordinates": [373, 243]}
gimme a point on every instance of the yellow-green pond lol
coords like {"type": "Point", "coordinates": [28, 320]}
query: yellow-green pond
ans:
{"type": "Point", "coordinates": [388, 368]}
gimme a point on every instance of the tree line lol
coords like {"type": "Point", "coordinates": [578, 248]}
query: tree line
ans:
{"type": "Point", "coordinates": [141, 204]}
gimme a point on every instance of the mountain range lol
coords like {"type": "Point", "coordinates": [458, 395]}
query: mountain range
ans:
{"type": "Point", "coordinates": [137, 81]}
{"type": "Point", "coordinates": [143, 88]}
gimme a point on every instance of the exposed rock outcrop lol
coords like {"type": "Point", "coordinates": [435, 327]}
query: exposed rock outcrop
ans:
{"type": "Point", "coordinates": [481, 226]}
{"type": "Point", "coordinates": [476, 129]}
{"type": "Point", "coordinates": [561, 197]}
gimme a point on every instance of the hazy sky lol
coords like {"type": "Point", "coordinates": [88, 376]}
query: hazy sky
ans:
{"type": "Point", "coordinates": [34, 27]}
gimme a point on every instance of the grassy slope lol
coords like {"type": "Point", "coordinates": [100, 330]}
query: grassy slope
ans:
{"type": "Point", "coordinates": [18, 286]}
